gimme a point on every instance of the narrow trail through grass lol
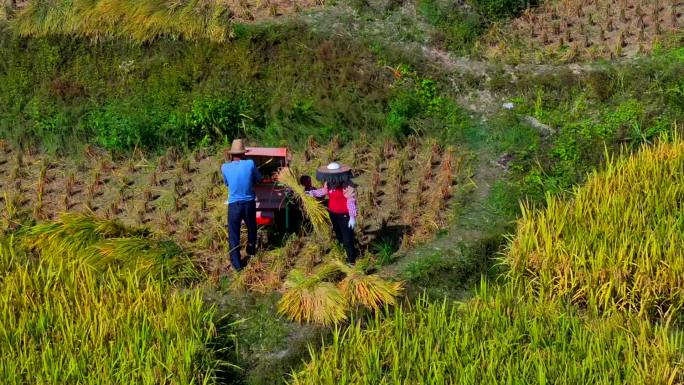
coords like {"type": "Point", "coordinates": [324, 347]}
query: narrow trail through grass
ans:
{"type": "Point", "coordinates": [456, 258]}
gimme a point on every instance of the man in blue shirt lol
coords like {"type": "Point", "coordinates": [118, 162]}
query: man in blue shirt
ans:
{"type": "Point", "coordinates": [239, 175]}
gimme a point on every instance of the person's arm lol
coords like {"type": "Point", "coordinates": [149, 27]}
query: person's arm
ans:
{"type": "Point", "coordinates": [351, 207]}
{"type": "Point", "coordinates": [350, 194]}
{"type": "Point", "coordinates": [319, 193]}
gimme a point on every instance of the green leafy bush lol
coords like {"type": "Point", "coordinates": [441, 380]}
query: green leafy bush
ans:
{"type": "Point", "coordinates": [118, 128]}
{"type": "Point", "coordinates": [420, 100]}
{"type": "Point", "coordinates": [213, 119]}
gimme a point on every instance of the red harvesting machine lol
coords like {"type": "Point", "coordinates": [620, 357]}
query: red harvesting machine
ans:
{"type": "Point", "coordinates": [274, 208]}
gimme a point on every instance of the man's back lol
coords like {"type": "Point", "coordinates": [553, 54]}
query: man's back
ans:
{"type": "Point", "coordinates": [240, 176]}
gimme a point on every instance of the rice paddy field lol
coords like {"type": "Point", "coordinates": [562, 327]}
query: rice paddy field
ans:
{"type": "Point", "coordinates": [587, 30]}
{"type": "Point", "coordinates": [85, 300]}
{"type": "Point", "coordinates": [182, 196]}
{"type": "Point", "coordinates": [622, 254]}
{"type": "Point", "coordinates": [576, 308]}
{"type": "Point", "coordinates": [487, 253]}
{"type": "Point", "coordinates": [497, 338]}
{"type": "Point", "coordinates": [142, 21]}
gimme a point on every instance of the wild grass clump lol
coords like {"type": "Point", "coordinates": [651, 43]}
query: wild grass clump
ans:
{"type": "Point", "coordinates": [78, 304]}
{"type": "Point", "coordinates": [617, 244]}
{"type": "Point", "coordinates": [497, 338]}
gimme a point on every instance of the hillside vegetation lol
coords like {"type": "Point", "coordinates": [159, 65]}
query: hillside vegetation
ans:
{"type": "Point", "coordinates": [516, 333]}
{"type": "Point", "coordinates": [117, 115]}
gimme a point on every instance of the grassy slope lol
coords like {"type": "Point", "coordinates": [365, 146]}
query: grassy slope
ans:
{"type": "Point", "coordinates": [271, 82]}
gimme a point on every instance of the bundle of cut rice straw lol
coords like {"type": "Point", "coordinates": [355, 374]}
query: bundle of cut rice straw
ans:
{"type": "Point", "coordinates": [311, 207]}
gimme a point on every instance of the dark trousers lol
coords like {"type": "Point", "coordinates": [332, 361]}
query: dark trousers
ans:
{"type": "Point", "coordinates": [344, 235]}
{"type": "Point", "coordinates": [238, 212]}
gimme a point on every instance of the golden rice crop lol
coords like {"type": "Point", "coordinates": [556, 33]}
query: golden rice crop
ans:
{"type": "Point", "coordinates": [311, 299]}
{"type": "Point", "coordinates": [66, 319]}
{"type": "Point", "coordinates": [312, 208]}
{"type": "Point", "coordinates": [322, 298]}
{"type": "Point", "coordinates": [99, 243]}
{"type": "Point", "coordinates": [140, 20]}
{"type": "Point", "coordinates": [617, 244]}
{"type": "Point", "coordinates": [497, 338]}
{"type": "Point", "coordinates": [368, 290]}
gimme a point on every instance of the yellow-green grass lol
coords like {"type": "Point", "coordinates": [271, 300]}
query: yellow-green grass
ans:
{"type": "Point", "coordinates": [87, 301]}
{"type": "Point", "coordinates": [500, 337]}
{"type": "Point", "coordinates": [617, 244]}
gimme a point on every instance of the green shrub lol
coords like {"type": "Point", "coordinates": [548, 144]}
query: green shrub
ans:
{"type": "Point", "coordinates": [214, 119]}
{"type": "Point", "coordinates": [419, 100]}
{"type": "Point", "coordinates": [116, 129]}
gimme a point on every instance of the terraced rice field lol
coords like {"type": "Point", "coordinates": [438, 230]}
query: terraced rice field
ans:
{"type": "Point", "coordinates": [405, 192]}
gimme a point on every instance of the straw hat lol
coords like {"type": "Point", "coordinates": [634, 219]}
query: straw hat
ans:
{"type": "Point", "coordinates": [335, 173]}
{"type": "Point", "coordinates": [237, 147]}
{"type": "Point", "coordinates": [333, 168]}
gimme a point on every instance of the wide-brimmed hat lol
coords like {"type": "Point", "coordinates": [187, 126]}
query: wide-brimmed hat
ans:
{"type": "Point", "coordinates": [335, 174]}
{"type": "Point", "coordinates": [237, 147]}
{"type": "Point", "coordinates": [333, 168]}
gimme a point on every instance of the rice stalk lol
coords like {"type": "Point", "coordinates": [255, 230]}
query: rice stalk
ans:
{"type": "Point", "coordinates": [371, 291]}
{"type": "Point", "coordinates": [616, 246]}
{"type": "Point", "coordinates": [63, 322]}
{"type": "Point", "coordinates": [308, 298]}
{"type": "Point", "coordinates": [312, 208]}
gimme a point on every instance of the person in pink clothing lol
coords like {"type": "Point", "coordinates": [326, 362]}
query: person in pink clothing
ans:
{"type": "Point", "coordinates": [339, 188]}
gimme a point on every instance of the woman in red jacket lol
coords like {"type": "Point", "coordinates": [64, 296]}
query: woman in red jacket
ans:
{"type": "Point", "coordinates": [339, 189]}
